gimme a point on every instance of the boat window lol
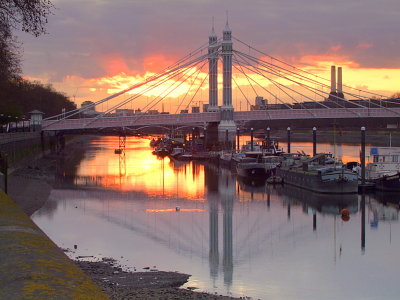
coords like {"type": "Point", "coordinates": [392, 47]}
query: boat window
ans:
{"type": "Point", "coordinates": [376, 158]}
{"type": "Point", "coordinates": [395, 158]}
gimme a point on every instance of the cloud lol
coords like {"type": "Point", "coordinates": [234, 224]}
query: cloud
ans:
{"type": "Point", "coordinates": [97, 38]}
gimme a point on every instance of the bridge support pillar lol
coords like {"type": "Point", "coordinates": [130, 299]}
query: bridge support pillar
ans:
{"type": "Point", "coordinates": [211, 136]}
{"type": "Point", "coordinates": [227, 133]}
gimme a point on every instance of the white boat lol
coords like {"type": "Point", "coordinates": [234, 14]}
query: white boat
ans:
{"type": "Point", "coordinates": [383, 168]}
{"type": "Point", "coordinates": [248, 147]}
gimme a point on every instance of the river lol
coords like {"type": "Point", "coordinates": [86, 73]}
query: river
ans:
{"type": "Point", "coordinates": [235, 238]}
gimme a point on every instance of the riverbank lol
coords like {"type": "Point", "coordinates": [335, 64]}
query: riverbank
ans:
{"type": "Point", "coordinates": [30, 186]}
{"type": "Point", "coordinates": [340, 136]}
{"type": "Point", "coordinates": [32, 266]}
{"type": "Point", "coordinates": [151, 285]}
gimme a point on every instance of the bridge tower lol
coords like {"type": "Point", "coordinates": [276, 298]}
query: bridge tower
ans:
{"type": "Point", "coordinates": [213, 71]}
{"type": "Point", "coordinates": [227, 125]}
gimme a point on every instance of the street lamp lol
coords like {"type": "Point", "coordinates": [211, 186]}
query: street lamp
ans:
{"type": "Point", "coordinates": [23, 124]}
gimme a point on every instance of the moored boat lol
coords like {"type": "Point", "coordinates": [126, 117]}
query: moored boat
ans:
{"type": "Point", "coordinates": [383, 169]}
{"type": "Point", "coordinates": [320, 173]}
{"type": "Point", "coordinates": [263, 167]}
{"type": "Point", "coordinates": [161, 151]}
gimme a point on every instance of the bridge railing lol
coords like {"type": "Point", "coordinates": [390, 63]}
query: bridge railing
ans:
{"type": "Point", "coordinates": [202, 118]}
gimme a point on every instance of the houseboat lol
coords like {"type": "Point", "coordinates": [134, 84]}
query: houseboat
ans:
{"type": "Point", "coordinates": [321, 173]}
{"type": "Point", "coordinates": [383, 168]}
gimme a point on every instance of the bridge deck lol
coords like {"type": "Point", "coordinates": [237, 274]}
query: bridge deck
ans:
{"type": "Point", "coordinates": [202, 118]}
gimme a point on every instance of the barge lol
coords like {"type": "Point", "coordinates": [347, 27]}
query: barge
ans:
{"type": "Point", "coordinates": [321, 174]}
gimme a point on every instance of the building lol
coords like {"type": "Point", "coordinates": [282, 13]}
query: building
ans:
{"type": "Point", "coordinates": [36, 120]}
{"type": "Point", "coordinates": [124, 112]}
{"type": "Point", "coordinates": [89, 109]}
{"type": "Point", "coordinates": [153, 112]}
{"type": "Point", "coordinates": [260, 104]}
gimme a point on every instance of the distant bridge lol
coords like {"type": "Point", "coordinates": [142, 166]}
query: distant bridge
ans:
{"type": "Point", "coordinates": [298, 94]}
{"type": "Point", "coordinates": [209, 117]}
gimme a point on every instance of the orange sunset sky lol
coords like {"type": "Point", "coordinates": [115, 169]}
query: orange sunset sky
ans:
{"type": "Point", "coordinates": [95, 48]}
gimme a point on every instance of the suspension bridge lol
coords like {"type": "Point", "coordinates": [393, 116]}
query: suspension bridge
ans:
{"type": "Point", "coordinates": [298, 94]}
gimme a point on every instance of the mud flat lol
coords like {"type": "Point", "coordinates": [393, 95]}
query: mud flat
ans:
{"type": "Point", "coordinates": [152, 284]}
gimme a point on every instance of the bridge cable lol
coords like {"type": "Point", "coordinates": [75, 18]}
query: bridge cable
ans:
{"type": "Point", "coordinates": [277, 86]}
{"type": "Point", "coordinates": [178, 71]}
{"type": "Point", "coordinates": [147, 80]}
{"type": "Point", "coordinates": [263, 53]}
{"type": "Point", "coordinates": [297, 75]}
{"type": "Point", "coordinates": [313, 90]}
{"type": "Point", "coordinates": [187, 92]}
{"type": "Point", "coordinates": [308, 88]}
{"type": "Point", "coordinates": [162, 98]}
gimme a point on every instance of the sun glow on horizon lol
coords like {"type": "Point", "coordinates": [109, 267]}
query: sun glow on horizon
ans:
{"type": "Point", "coordinates": [176, 92]}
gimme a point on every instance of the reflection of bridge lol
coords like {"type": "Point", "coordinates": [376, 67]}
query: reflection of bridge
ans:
{"type": "Point", "coordinates": [238, 231]}
{"type": "Point", "coordinates": [297, 94]}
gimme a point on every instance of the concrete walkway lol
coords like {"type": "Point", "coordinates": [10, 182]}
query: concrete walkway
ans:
{"type": "Point", "coordinates": [32, 266]}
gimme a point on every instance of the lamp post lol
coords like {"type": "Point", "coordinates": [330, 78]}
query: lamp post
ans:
{"type": "Point", "coordinates": [363, 157]}
{"type": "Point", "coordinates": [268, 137]}
{"type": "Point", "coordinates": [314, 141]}
{"type": "Point", "coordinates": [251, 138]}
{"type": "Point", "coordinates": [205, 137]}
{"type": "Point", "coordinates": [192, 139]}
{"type": "Point", "coordinates": [1, 122]}
{"type": "Point", "coordinates": [238, 136]}
{"type": "Point", "coordinates": [9, 123]}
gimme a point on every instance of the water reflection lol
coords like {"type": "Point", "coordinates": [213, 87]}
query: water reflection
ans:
{"type": "Point", "coordinates": [234, 236]}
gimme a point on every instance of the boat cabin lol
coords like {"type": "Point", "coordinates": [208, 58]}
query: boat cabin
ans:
{"type": "Point", "coordinates": [384, 155]}
{"type": "Point", "coordinates": [383, 161]}
{"type": "Point", "coordinates": [271, 147]}
{"type": "Point", "coordinates": [247, 147]}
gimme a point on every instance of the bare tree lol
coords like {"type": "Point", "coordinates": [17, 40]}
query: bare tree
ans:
{"type": "Point", "coordinates": [10, 56]}
{"type": "Point", "coordinates": [27, 15]}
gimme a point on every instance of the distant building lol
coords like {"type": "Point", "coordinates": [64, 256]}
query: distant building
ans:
{"type": "Point", "coordinates": [90, 108]}
{"type": "Point", "coordinates": [261, 104]}
{"type": "Point", "coordinates": [36, 120]}
{"type": "Point", "coordinates": [277, 106]}
{"type": "Point", "coordinates": [89, 104]}
{"type": "Point", "coordinates": [195, 109]}
{"type": "Point", "coordinates": [124, 112]}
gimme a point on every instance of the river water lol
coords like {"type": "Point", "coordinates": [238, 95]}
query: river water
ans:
{"type": "Point", "coordinates": [235, 238]}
